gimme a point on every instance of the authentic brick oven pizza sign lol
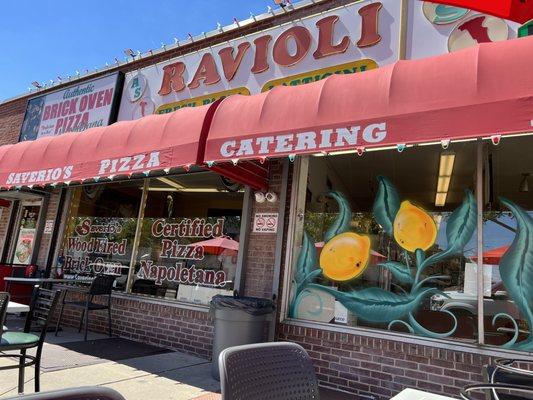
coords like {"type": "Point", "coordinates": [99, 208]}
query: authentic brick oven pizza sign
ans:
{"type": "Point", "coordinates": [74, 109]}
{"type": "Point", "coordinates": [349, 39]}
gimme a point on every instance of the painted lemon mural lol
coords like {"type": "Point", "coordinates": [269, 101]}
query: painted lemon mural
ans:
{"type": "Point", "coordinates": [345, 256]}
{"type": "Point", "coordinates": [414, 228]}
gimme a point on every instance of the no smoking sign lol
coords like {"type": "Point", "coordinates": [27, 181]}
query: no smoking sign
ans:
{"type": "Point", "coordinates": [265, 223]}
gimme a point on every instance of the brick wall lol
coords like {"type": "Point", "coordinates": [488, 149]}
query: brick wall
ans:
{"type": "Point", "coordinates": [259, 262]}
{"type": "Point", "coordinates": [163, 324]}
{"type": "Point", "coordinates": [51, 212]}
{"type": "Point", "coordinates": [380, 368]}
{"type": "Point", "coordinates": [11, 116]}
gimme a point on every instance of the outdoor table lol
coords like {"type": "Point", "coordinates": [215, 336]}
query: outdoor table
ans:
{"type": "Point", "coordinates": [413, 394]}
{"type": "Point", "coordinates": [15, 308]}
{"type": "Point", "coordinates": [36, 281]}
{"type": "Point", "coordinates": [45, 282]}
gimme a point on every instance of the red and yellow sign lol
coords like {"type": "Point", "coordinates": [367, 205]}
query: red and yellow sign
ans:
{"type": "Point", "coordinates": [199, 101]}
{"type": "Point", "coordinates": [319, 74]}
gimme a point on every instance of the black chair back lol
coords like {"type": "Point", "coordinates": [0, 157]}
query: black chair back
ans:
{"type": "Point", "coordinates": [267, 371]}
{"type": "Point", "coordinates": [82, 393]}
{"type": "Point", "coordinates": [4, 301]}
{"type": "Point", "coordinates": [102, 284]}
{"type": "Point", "coordinates": [42, 307]}
{"type": "Point", "coordinates": [517, 373]}
{"type": "Point", "coordinates": [499, 391]}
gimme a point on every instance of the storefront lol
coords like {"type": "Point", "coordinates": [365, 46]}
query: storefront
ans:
{"type": "Point", "coordinates": [386, 209]}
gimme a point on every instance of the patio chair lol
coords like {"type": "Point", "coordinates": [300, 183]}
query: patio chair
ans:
{"type": "Point", "coordinates": [273, 371]}
{"type": "Point", "coordinates": [514, 392]}
{"type": "Point", "coordinates": [508, 372]}
{"type": "Point", "coordinates": [82, 393]}
{"type": "Point", "coordinates": [102, 285]}
{"type": "Point", "coordinates": [4, 301]}
{"type": "Point", "coordinates": [42, 306]}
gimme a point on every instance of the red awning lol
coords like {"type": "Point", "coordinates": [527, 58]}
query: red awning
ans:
{"type": "Point", "coordinates": [478, 92]}
{"type": "Point", "coordinates": [520, 11]}
{"type": "Point", "coordinates": [155, 142]}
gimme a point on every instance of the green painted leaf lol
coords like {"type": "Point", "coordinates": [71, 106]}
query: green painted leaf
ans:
{"type": "Point", "coordinates": [386, 204]}
{"type": "Point", "coordinates": [462, 224]}
{"type": "Point", "coordinates": [342, 222]}
{"type": "Point", "coordinates": [400, 271]}
{"type": "Point", "coordinates": [378, 305]}
{"type": "Point", "coordinates": [307, 260]}
{"type": "Point", "coordinates": [516, 265]}
{"type": "Point", "coordinates": [459, 229]}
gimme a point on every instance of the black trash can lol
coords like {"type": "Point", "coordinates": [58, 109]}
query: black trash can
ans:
{"type": "Point", "coordinates": [238, 321]}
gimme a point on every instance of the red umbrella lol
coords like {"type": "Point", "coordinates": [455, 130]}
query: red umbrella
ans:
{"type": "Point", "coordinates": [520, 11]}
{"type": "Point", "coordinates": [493, 256]}
{"type": "Point", "coordinates": [219, 245]}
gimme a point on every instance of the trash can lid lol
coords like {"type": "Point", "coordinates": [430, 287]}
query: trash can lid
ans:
{"type": "Point", "coordinates": [251, 305]}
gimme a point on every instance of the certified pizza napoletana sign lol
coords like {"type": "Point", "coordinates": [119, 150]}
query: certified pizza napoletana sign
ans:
{"type": "Point", "coordinates": [265, 223]}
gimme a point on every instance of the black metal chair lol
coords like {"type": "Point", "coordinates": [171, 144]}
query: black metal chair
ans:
{"type": "Point", "coordinates": [4, 301]}
{"type": "Point", "coordinates": [102, 285]}
{"type": "Point", "coordinates": [267, 371]}
{"type": "Point", "coordinates": [82, 393]}
{"type": "Point", "coordinates": [42, 306]}
{"type": "Point", "coordinates": [508, 372]}
{"type": "Point", "coordinates": [499, 390]}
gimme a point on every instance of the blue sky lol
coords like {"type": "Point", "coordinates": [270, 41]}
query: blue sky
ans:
{"type": "Point", "coordinates": [43, 39]}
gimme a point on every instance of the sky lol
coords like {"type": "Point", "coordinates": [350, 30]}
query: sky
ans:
{"type": "Point", "coordinates": [43, 39]}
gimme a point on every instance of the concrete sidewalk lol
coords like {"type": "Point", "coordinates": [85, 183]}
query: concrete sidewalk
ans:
{"type": "Point", "coordinates": [68, 362]}
{"type": "Point", "coordinates": [167, 375]}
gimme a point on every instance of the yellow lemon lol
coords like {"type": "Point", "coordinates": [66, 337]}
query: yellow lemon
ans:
{"type": "Point", "coordinates": [345, 256]}
{"type": "Point", "coordinates": [414, 228]}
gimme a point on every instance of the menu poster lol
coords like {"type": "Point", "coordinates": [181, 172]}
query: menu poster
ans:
{"type": "Point", "coordinates": [24, 247]}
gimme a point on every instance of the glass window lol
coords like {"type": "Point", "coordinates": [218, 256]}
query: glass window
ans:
{"type": "Point", "coordinates": [388, 240]}
{"type": "Point", "coordinates": [508, 243]}
{"type": "Point", "coordinates": [189, 239]}
{"type": "Point", "coordinates": [100, 231]}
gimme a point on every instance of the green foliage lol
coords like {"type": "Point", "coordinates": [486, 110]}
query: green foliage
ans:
{"type": "Point", "coordinates": [386, 204]}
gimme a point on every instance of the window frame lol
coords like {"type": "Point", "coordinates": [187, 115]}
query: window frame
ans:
{"type": "Point", "coordinates": [246, 217]}
{"type": "Point", "coordinates": [294, 233]}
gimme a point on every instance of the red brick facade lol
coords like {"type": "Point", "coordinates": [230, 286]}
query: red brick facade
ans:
{"type": "Point", "coordinates": [360, 364]}
{"type": "Point", "coordinates": [380, 368]}
{"type": "Point", "coordinates": [157, 322]}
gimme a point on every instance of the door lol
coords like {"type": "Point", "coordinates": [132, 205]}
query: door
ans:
{"type": "Point", "coordinates": [26, 232]}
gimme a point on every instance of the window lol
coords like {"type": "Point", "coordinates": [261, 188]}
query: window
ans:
{"type": "Point", "coordinates": [185, 246]}
{"type": "Point", "coordinates": [388, 241]}
{"type": "Point", "coordinates": [100, 232]}
{"type": "Point", "coordinates": [508, 243]}
{"type": "Point", "coordinates": [189, 239]}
